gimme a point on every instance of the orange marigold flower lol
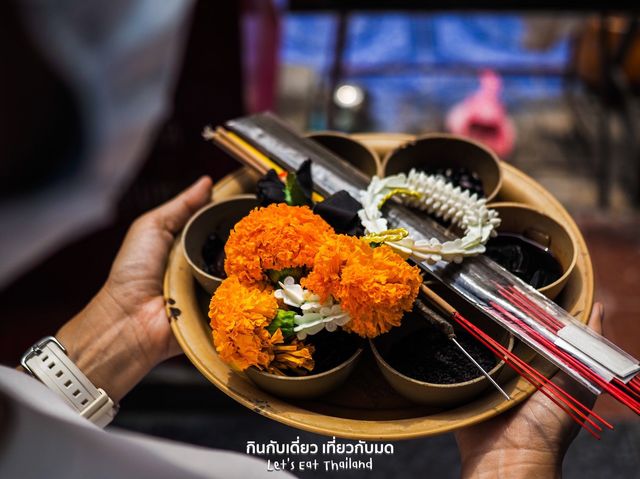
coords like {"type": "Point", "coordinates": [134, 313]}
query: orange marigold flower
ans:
{"type": "Point", "coordinates": [333, 255]}
{"type": "Point", "coordinates": [296, 357]}
{"type": "Point", "coordinates": [376, 290]}
{"type": "Point", "coordinates": [374, 285]}
{"type": "Point", "coordinates": [239, 316]}
{"type": "Point", "coordinates": [273, 238]}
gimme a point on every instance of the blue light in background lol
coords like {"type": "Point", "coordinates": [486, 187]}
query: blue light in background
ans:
{"type": "Point", "coordinates": [406, 100]}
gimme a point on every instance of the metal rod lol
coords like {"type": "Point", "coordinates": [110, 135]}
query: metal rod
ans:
{"type": "Point", "coordinates": [447, 329]}
{"type": "Point", "coordinates": [486, 374]}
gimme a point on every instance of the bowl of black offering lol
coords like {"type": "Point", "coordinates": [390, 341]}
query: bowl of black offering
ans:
{"type": "Point", "coordinates": [336, 355]}
{"type": "Point", "coordinates": [356, 153]}
{"type": "Point", "coordinates": [534, 247]}
{"type": "Point", "coordinates": [422, 364]}
{"type": "Point", "coordinates": [463, 162]}
{"type": "Point", "coordinates": [205, 235]}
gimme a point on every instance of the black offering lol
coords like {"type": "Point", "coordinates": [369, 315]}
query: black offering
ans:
{"type": "Point", "coordinates": [429, 356]}
{"type": "Point", "coordinates": [332, 349]}
{"type": "Point", "coordinates": [528, 260]}
{"type": "Point", "coordinates": [213, 256]}
{"type": "Point", "coordinates": [462, 177]}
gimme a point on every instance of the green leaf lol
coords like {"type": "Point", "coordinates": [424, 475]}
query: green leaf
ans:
{"type": "Point", "coordinates": [283, 320]}
{"type": "Point", "coordinates": [279, 275]}
{"type": "Point", "coordinates": [293, 192]}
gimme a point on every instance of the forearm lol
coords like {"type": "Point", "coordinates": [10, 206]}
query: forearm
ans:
{"type": "Point", "coordinates": [98, 340]}
{"type": "Point", "coordinates": [512, 464]}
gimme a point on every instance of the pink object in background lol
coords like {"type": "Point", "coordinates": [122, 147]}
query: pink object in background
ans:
{"type": "Point", "coordinates": [261, 25]}
{"type": "Point", "coordinates": [482, 117]}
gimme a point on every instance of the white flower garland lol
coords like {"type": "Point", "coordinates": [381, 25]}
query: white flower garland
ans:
{"type": "Point", "coordinates": [435, 196]}
{"type": "Point", "coordinates": [315, 316]}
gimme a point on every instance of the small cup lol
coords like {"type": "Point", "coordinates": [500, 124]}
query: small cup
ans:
{"type": "Point", "coordinates": [441, 150]}
{"type": "Point", "coordinates": [305, 387]}
{"type": "Point", "coordinates": [432, 394]}
{"type": "Point", "coordinates": [219, 218]}
{"type": "Point", "coordinates": [521, 219]}
{"type": "Point", "coordinates": [356, 153]}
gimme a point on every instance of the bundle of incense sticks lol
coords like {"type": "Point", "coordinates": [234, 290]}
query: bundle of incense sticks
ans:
{"type": "Point", "coordinates": [263, 142]}
{"type": "Point", "coordinates": [581, 414]}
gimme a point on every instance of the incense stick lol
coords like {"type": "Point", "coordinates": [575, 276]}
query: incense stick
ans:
{"type": "Point", "coordinates": [559, 396]}
{"type": "Point", "coordinates": [616, 388]}
{"type": "Point", "coordinates": [528, 373]}
{"type": "Point", "coordinates": [242, 150]}
{"type": "Point", "coordinates": [447, 329]}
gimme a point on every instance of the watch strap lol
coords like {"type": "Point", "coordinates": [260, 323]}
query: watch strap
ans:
{"type": "Point", "coordinates": [47, 361]}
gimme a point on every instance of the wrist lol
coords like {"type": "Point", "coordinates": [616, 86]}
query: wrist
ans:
{"type": "Point", "coordinates": [512, 463]}
{"type": "Point", "coordinates": [99, 341]}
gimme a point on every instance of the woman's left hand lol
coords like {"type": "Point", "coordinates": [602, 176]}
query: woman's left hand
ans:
{"type": "Point", "coordinates": [124, 331]}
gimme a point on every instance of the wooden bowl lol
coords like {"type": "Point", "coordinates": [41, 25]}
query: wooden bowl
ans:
{"type": "Point", "coordinates": [218, 218]}
{"type": "Point", "coordinates": [366, 407]}
{"type": "Point", "coordinates": [355, 152]}
{"type": "Point", "coordinates": [532, 223]}
{"type": "Point", "coordinates": [441, 395]}
{"type": "Point", "coordinates": [305, 387]}
{"type": "Point", "coordinates": [441, 150]}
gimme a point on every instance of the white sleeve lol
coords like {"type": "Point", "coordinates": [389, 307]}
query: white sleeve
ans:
{"type": "Point", "coordinates": [44, 437]}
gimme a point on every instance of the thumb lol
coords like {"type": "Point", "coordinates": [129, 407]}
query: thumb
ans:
{"type": "Point", "coordinates": [173, 214]}
{"type": "Point", "coordinates": [597, 317]}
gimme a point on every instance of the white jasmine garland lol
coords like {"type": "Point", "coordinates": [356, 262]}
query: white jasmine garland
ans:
{"type": "Point", "coordinates": [315, 316]}
{"type": "Point", "coordinates": [435, 196]}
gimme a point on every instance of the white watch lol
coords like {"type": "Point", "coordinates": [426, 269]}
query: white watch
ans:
{"type": "Point", "coordinates": [47, 361]}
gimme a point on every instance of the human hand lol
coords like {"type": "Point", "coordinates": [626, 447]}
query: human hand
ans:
{"type": "Point", "coordinates": [124, 331]}
{"type": "Point", "coordinates": [531, 439]}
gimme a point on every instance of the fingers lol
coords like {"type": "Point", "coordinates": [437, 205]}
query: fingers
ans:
{"type": "Point", "coordinates": [173, 215]}
{"type": "Point", "coordinates": [597, 317]}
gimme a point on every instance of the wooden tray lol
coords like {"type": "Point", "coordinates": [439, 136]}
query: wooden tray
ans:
{"type": "Point", "coordinates": [365, 407]}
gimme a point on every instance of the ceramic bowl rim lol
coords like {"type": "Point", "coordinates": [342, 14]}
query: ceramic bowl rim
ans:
{"type": "Point", "coordinates": [377, 161]}
{"type": "Point", "coordinates": [470, 382]}
{"type": "Point", "coordinates": [574, 256]}
{"type": "Point", "coordinates": [196, 216]}
{"type": "Point", "coordinates": [449, 136]}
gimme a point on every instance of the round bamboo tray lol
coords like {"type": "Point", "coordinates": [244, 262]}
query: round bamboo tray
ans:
{"type": "Point", "coordinates": [366, 407]}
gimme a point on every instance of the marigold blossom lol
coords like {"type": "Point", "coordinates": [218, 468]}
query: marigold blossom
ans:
{"type": "Point", "coordinates": [333, 255]}
{"type": "Point", "coordinates": [239, 316]}
{"type": "Point", "coordinates": [375, 286]}
{"type": "Point", "coordinates": [273, 238]}
{"type": "Point", "coordinates": [376, 290]}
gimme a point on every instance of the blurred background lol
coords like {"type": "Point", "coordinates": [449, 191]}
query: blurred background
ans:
{"type": "Point", "coordinates": [103, 104]}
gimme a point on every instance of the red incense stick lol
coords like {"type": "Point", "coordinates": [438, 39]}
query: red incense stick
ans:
{"type": "Point", "coordinates": [562, 400]}
{"type": "Point", "coordinates": [576, 410]}
{"type": "Point", "coordinates": [518, 298]}
{"type": "Point", "coordinates": [626, 394]}
{"type": "Point", "coordinates": [570, 360]}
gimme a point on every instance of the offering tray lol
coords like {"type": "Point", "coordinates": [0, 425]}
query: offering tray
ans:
{"type": "Point", "coordinates": [366, 407]}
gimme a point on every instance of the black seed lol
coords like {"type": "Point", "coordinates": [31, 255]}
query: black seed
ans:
{"type": "Point", "coordinates": [462, 177]}
{"type": "Point", "coordinates": [213, 256]}
{"type": "Point", "coordinates": [428, 355]}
